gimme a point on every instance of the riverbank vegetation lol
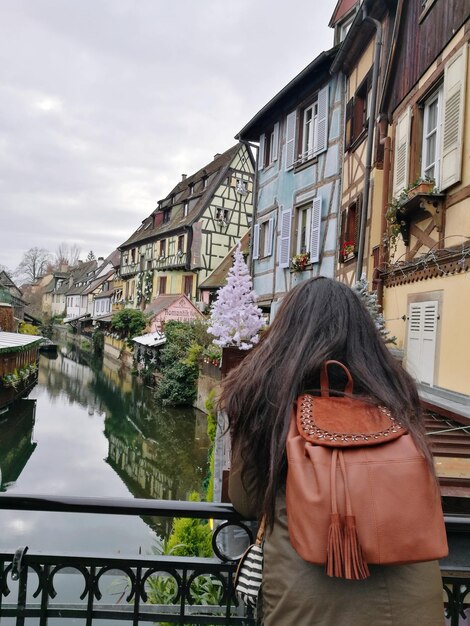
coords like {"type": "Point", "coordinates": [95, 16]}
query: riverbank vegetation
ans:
{"type": "Point", "coordinates": [187, 346]}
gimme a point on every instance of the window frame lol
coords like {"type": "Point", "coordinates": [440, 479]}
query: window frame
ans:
{"type": "Point", "coordinates": [437, 95]}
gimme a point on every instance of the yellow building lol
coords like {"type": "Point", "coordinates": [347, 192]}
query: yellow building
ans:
{"type": "Point", "coordinates": [190, 233]}
{"type": "Point", "coordinates": [408, 121]}
{"type": "Point", "coordinates": [426, 279]}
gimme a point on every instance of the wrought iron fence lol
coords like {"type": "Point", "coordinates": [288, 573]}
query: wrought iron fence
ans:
{"type": "Point", "coordinates": [161, 589]}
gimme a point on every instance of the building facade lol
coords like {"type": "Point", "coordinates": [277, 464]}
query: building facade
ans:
{"type": "Point", "coordinates": [426, 278]}
{"type": "Point", "coordinates": [183, 241]}
{"type": "Point", "coordinates": [298, 182]}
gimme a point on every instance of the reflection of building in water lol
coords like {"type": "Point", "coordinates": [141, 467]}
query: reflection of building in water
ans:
{"type": "Point", "coordinates": [16, 442]}
{"type": "Point", "coordinates": [76, 379]}
{"type": "Point", "coordinates": [138, 465]}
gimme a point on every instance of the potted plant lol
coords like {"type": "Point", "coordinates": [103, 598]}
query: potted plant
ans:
{"type": "Point", "coordinates": [421, 186]}
{"type": "Point", "coordinates": [300, 261]}
{"type": "Point", "coordinates": [347, 249]}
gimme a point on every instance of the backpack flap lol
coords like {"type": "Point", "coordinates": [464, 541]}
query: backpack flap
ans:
{"type": "Point", "coordinates": [338, 422]}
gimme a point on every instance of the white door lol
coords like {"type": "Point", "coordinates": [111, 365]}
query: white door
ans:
{"type": "Point", "coordinates": [421, 344]}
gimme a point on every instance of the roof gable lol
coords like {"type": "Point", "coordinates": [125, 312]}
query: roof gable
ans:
{"type": "Point", "coordinates": [215, 171]}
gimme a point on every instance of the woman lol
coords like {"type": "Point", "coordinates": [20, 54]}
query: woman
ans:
{"type": "Point", "coordinates": [319, 320]}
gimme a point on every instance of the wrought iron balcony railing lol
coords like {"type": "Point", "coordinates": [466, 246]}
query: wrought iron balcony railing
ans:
{"type": "Point", "coordinates": [172, 590]}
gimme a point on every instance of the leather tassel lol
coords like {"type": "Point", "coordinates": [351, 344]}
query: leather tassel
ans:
{"type": "Point", "coordinates": [335, 549]}
{"type": "Point", "coordinates": [355, 567]}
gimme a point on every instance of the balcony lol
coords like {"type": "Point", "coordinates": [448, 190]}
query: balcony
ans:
{"type": "Point", "coordinates": [31, 583]}
{"type": "Point", "coordinates": [172, 261]}
{"type": "Point", "coordinates": [129, 270]}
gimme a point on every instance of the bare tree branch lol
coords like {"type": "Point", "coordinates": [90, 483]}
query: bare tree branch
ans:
{"type": "Point", "coordinates": [34, 264]}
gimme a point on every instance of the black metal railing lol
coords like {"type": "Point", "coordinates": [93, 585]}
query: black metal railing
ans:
{"type": "Point", "coordinates": [161, 589]}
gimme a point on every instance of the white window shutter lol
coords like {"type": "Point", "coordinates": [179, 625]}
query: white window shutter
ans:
{"type": "Point", "coordinates": [256, 242]}
{"type": "Point", "coordinates": [261, 152]}
{"type": "Point", "coordinates": [290, 139]}
{"type": "Point", "coordinates": [315, 224]}
{"type": "Point", "coordinates": [275, 142]}
{"type": "Point", "coordinates": [321, 136]}
{"type": "Point", "coordinates": [269, 242]}
{"type": "Point", "coordinates": [284, 243]}
{"type": "Point", "coordinates": [401, 159]}
{"type": "Point", "coordinates": [455, 73]}
{"type": "Point", "coordinates": [422, 340]}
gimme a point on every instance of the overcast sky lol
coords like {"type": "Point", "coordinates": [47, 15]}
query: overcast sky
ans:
{"type": "Point", "coordinates": [105, 103]}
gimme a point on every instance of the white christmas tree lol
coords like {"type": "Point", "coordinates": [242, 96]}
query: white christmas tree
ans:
{"type": "Point", "coordinates": [370, 300]}
{"type": "Point", "coordinates": [235, 318]}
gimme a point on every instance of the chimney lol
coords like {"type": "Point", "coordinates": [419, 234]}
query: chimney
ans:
{"type": "Point", "coordinates": [101, 258]}
{"type": "Point", "coordinates": [216, 156]}
{"type": "Point", "coordinates": [184, 176]}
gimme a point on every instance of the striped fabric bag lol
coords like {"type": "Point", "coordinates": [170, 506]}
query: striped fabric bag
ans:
{"type": "Point", "coordinates": [249, 572]}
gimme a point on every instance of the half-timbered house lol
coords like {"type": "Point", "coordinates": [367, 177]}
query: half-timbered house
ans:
{"type": "Point", "coordinates": [298, 181]}
{"type": "Point", "coordinates": [365, 33]}
{"type": "Point", "coordinates": [426, 278]}
{"type": "Point", "coordinates": [191, 231]}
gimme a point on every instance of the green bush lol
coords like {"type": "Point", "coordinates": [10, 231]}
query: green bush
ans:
{"type": "Point", "coordinates": [129, 322]}
{"type": "Point", "coordinates": [98, 342]}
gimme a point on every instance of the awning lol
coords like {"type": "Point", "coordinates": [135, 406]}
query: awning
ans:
{"type": "Point", "coordinates": [151, 340]}
{"type": "Point", "coordinates": [17, 342]}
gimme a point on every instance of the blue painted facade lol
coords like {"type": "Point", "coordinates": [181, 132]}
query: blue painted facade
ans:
{"type": "Point", "coordinates": [298, 184]}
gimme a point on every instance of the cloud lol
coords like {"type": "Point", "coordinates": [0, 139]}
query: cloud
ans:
{"type": "Point", "coordinates": [105, 103]}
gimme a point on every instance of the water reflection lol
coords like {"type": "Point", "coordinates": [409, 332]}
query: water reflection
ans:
{"type": "Point", "coordinates": [98, 433]}
{"type": "Point", "coordinates": [16, 442]}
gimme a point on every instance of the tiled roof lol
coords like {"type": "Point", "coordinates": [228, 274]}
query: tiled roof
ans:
{"type": "Point", "coordinates": [99, 281]}
{"type": "Point", "coordinates": [162, 302]}
{"type": "Point", "coordinates": [218, 278]}
{"type": "Point", "coordinates": [305, 83]}
{"type": "Point", "coordinates": [180, 193]}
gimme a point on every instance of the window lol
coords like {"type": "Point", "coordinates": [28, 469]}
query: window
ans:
{"type": "Point", "coordinates": [357, 111]}
{"type": "Point", "coordinates": [188, 285]}
{"type": "Point", "coordinates": [263, 239]}
{"type": "Point", "coordinates": [166, 215]}
{"type": "Point", "coordinates": [442, 135]}
{"type": "Point", "coordinates": [204, 182]}
{"type": "Point", "coordinates": [185, 208]}
{"type": "Point", "coordinates": [432, 124]}
{"type": "Point", "coordinates": [268, 147]}
{"type": "Point", "coordinates": [308, 219]}
{"type": "Point", "coordinates": [181, 244]}
{"type": "Point", "coordinates": [162, 248]}
{"type": "Point", "coordinates": [221, 215]}
{"type": "Point", "coordinates": [191, 189]}
{"type": "Point", "coordinates": [345, 26]}
{"type": "Point", "coordinates": [307, 130]}
{"type": "Point", "coordinates": [162, 285]}
{"type": "Point", "coordinates": [303, 228]}
{"type": "Point", "coordinates": [349, 230]}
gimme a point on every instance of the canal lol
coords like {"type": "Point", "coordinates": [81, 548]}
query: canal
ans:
{"type": "Point", "coordinates": [94, 430]}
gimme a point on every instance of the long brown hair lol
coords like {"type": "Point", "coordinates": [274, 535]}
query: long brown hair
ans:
{"type": "Point", "coordinates": [319, 319]}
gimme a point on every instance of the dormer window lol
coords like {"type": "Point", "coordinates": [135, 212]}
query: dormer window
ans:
{"type": "Point", "coordinates": [191, 189]}
{"type": "Point", "coordinates": [166, 215]}
{"type": "Point", "coordinates": [185, 208]}
{"type": "Point", "coordinates": [345, 26]}
{"type": "Point", "coordinates": [204, 182]}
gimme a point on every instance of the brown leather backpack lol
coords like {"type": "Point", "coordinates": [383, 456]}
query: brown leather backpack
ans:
{"type": "Point", "coordinates": [358, 489]}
